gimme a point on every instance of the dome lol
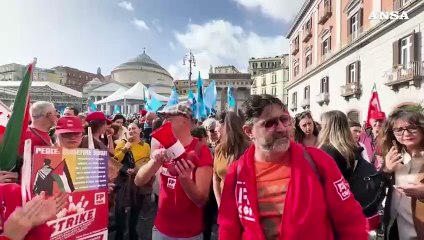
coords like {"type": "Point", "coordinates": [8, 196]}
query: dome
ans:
{"type": "Point", "coordinates": [142, 62]}
{"type": "Point", "coordinates": [145, 70]}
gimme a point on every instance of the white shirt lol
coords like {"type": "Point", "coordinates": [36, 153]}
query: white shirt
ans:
{"type": "Point", "coordinates": [400, 209]}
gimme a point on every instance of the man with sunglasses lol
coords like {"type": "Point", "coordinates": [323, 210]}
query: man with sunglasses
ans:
{"type": "Point", "coordinates": [280, 190]}
{"type": "Point", "coordinates": [183, 197]}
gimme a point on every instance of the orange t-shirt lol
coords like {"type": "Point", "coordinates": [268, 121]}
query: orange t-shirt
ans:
{"type": "Point", "coordinates": [272, 180]}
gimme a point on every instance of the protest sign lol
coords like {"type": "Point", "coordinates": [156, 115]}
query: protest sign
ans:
{"type": "Point", "coordinates": [83, 174]}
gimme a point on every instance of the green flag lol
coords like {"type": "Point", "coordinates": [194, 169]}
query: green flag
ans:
{"type": "Point", "coordinates": [17, 124]}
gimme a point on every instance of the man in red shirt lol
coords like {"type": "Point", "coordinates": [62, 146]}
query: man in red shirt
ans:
{"type": "Point", "coordinates": [43, 117]}
{"type": "Point", "coordinates": [281, 191]}
{"type": "Point", "coordinates": [181, 198]}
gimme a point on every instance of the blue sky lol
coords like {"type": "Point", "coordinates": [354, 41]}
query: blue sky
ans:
{"type": "Point", "coordinates": [87, 34]}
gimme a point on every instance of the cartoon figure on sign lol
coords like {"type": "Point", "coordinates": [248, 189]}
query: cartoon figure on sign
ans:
{"type": "Point", "coordinates": [47, 175]}
{"type": "Point", "coordinates": [44, 180]}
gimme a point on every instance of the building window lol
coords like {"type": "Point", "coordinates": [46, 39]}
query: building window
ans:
{"type": "Point", "coordinates": [296, 68]}
{"type": "Point", "coordinates": [263, 81]}
{"type": "Point", "coordinates": [308, 59]}
{"type": "Point", "coordinates": [307, 93]}
{"type": "Point", "coordinates": [326, 46]}
{"type": "Point", "coordinates": [263, 90]}
{"type": "Point", "coordinates": [294, 100]}
{"type": "Point", "coordinates": [354, 25]}
{"type": "Point", "coordinates": [353, 72]}
{"type": "Point", "coordinates": [405, 51]}
{"type": "Point", "coordinates": [273, 78]}
{"type": "Point", "coordinates": [324, 85]}
{"type": "Point", "coordinates": [274, 91]}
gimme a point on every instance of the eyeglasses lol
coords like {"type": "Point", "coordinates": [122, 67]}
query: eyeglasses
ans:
{"type": "Point", "coordinates": [400, 131]}
{"type": "Point", "coordinates": [273, 122]}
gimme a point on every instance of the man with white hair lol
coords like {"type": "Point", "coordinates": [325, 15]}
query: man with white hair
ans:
{"type": "Point", "coordinates": [43, 117]}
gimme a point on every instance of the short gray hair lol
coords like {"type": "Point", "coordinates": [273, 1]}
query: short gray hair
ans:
{"type": "Point", "coordinates": [40, 109]}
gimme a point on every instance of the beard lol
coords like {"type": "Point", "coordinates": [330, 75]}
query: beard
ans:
{"type": "Point", "coordinates": [279, 142]}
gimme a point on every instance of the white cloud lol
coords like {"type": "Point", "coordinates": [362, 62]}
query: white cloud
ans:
{"type": "Point", "coordinates": [140, 24]}
{"type": "Point", "coordinates": [157, 25]}
{"type": "Point", "coordinates": [172, 45]}
{"type": "Point", "coordinates": [126, 5]}
{"type": "Point", "coordinates": [282, 10]}
{"type": "Point", "coordinates": [231, 45]}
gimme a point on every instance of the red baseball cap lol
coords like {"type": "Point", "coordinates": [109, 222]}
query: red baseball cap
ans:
{"type": "Point", "coordinates": [377, 115]}
{"type": "Point", "coordinates": [69, 124]}
{"type": "Point", "coordinates": [97, 116]}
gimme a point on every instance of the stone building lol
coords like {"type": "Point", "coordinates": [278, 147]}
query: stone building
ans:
{"type": "Point", "coordinates": [223, 76]}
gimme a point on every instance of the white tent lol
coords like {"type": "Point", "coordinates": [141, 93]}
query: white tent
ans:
{"type": "Point", "coordinates": [136, 92]}
{"type": "Point", "coordinates": [112, 97]}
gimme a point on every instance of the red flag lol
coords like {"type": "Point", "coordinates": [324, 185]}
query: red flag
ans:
{"type": "Point", "coordinates": [373, 107]}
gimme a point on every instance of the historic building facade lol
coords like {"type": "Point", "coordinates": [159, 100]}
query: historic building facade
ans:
{"type": "Point", "coordinates": [274, 81]}
{"type": "Point", "coordinates": [224, 76]}
{"type": "Point", "coordinates": [339, 49]}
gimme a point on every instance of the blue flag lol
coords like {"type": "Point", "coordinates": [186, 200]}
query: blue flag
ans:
{"type": "Point", "coordinates": [200, 106]}
{"type": "Point", "coordinates": [152, 104]}
{"type": "Point", "coordinates": [116, 109]}
{"type": "Point", "coordinates": [192, 100]}
{"type": "Point", "coordinates": [173, 99]}
{"type": "Point", "coordinates": [91, 106]}
{"type": "Point", "coordinates": [210, 97]}
{"type": "Point", "coordinates": [231, 100]}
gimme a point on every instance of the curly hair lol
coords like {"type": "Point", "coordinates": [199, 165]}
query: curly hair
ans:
{"type": "Point", "coordinates": [385, 140]}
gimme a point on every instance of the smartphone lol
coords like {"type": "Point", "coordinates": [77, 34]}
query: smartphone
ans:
{"type": "Point", "coordinates": [396, 145]}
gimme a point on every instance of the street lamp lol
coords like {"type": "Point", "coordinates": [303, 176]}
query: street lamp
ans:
{"type": "Point", "coordinates": [192, 63]}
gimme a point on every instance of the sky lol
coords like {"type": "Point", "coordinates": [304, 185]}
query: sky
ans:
{"type": "Point", "coordinates": [87, 34]}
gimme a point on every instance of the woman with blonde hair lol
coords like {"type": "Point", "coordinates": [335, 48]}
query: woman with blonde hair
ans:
{"type": "Point", "coordinates": [233, 142]}
{"type": "Point", "coordinates": [336, 139]}
{"type": "Point", "coordinates": [402, 144]}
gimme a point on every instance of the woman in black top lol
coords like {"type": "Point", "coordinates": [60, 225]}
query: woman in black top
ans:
{"type": "Point", "coordinates": [336, 139]}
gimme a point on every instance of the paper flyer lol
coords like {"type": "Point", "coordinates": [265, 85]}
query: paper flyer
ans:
{"type": "Point", "coordinates": [83, 174]}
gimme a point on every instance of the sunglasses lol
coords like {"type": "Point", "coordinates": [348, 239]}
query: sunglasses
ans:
{"type": "Point", "coordinates": [273, 122]}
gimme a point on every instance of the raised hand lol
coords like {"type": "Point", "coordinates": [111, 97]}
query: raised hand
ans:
{"type": "Point", "coordinates": [8, 177]}
{"type": "Point", "coordinates": [184, 168]}
{"type": "Point", "coordinates": [392, 159]}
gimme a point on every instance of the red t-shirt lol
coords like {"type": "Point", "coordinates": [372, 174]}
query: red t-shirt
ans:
{"type": "Point", "coordinates": [42, 139]}
{"type": "Point", "coordinates": [177, 215]}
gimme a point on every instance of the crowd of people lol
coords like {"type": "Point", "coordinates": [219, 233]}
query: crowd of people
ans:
{"type": "Point", "coordinates": [256, 174]}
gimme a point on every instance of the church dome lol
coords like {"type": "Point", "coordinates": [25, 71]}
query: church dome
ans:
{"type": "Point", "coordinates": [145, 70]}
{"type": "Point", "coordinates": [142, 62]}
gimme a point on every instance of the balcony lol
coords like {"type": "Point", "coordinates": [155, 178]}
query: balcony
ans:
{"type": "Point", "coordinates": [307, 35]}
{"type": "Point", "coordinates": [306, 103]}
{"type": "Point", "coordinates": [408, 75]}
{"type": "Point", "coordinates": [351, 90]}
{"type": "Point", "coordinates": [323, 98]}
{"type": "Point", "coordinates": [327, 14]}
{"type": "Point", "coordinates": [295, 50]}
